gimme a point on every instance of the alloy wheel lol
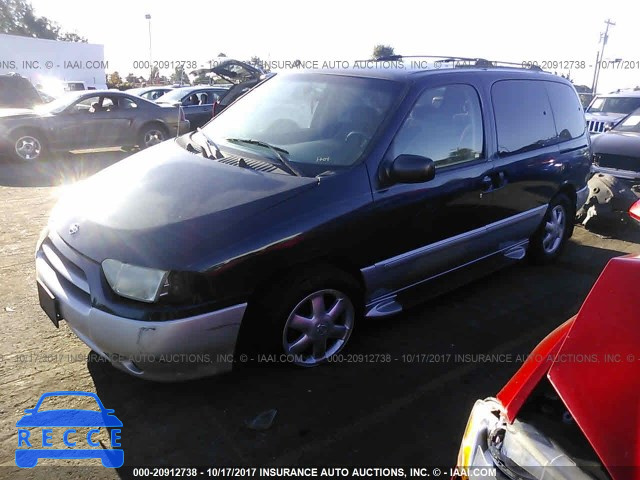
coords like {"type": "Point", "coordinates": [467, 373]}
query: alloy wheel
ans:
{"type": "Point", "coordinates": [554, 229]}
{"type": "Point", "coordinates": [28, 148]}
{"type": "Point", "coordinates": [318, 327]}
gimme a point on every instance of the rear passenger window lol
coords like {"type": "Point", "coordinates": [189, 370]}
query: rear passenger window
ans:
{"type": "Point", "coordinates": [567, 111]}
{"type": "Point", "coordinates": [444, 125]}
{"type": "Point", "coordinates": [524, 120]}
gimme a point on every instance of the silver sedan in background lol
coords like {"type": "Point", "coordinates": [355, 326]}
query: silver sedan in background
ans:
{"type": "Point", "coordinates": [88, 119]}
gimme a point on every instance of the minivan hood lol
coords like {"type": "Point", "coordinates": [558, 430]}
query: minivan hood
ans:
{"type": "Point", "coordinates": [162, 206]}
{"type": "Point", "coordinates": [597, 369]}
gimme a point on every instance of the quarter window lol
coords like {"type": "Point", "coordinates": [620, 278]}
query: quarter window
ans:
{"type": "Point", "coordinates": [567, 111]}
{"type": "Point", "coordinates": [524, 120]}
{"type": "Point", "coordinates": [444, 125]}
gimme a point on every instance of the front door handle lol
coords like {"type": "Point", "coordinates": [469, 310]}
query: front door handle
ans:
{"type": "Point", "coordinates": [487, 184]}
{"type": "Point", "coordinates": [493, 181]}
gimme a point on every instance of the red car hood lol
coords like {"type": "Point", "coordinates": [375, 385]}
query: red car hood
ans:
{"type": "Point", "coordinates": [593, 362]}
{"type": "Point", "coordinates": [604, 395]}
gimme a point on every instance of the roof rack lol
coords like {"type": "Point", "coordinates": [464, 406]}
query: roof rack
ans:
{"type": "Point", "coordinates": [463, 61]}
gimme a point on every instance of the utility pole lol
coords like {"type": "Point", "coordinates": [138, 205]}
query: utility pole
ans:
{"type": "Point", "coordinates": [604, 37]}
{"type": "Point", "coordinates": [148, 17]}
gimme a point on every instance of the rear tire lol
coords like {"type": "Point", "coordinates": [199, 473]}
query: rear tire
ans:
{"type": "Point", "coordinates": [151, 135]}
{"type": "Point", "coordinates": [547, 244]}
{"type": "Point", "coordinates": [306, 318]}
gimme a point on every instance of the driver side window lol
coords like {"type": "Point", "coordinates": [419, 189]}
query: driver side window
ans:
{"type": "Point", "coordinates": [87, 105]}
{"type": "Point", "coordinates": [444, 125]}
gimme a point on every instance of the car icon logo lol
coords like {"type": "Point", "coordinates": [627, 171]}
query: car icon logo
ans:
{"type": "Point", "coordinates": [74, 228]}
{"type": "Point", "coordinates": [78, 445]}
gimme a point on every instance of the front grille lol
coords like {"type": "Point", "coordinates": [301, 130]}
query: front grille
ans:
{"type": "Point", "coordinates": [620, 162]}
{"type": "Point", "coordinates": [66, 269]}
{"type": "Point", "coordinates": [258, 165]}
{"type": "Point", "coordinates": [596, 126]}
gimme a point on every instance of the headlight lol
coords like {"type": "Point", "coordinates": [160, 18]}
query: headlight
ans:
{"type": "Point", "coordinates": [519, 450]}
{"type": "Point", "coordinates": [138, 283]}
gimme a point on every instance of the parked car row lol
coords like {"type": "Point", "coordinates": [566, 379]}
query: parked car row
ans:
{"type": "Point", "coordinates": [88, 119]}
{"type": "Point", "coordinates": [118, 119]}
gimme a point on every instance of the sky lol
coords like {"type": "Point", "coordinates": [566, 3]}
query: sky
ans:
{"type": "Point", "coordinates": [339, 30]}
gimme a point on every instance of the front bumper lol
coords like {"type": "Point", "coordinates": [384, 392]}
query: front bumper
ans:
{"type": "Point", "coordinates": [615, 172]}
{"type": "Point", "coordinates": [5, 142]}
{"type": "Point", "coordinates": [173, 350]}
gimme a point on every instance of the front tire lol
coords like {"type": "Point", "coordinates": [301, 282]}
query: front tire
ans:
{"type": "Point", "coordinates": [28, 146]}
{"type": "Point", "coordinates": [551, 237]}
{"type": "Point", "coordinates": [307, 318]}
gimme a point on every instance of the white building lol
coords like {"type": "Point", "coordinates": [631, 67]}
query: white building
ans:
{"type": "Point", "coordinates": [48, 63]}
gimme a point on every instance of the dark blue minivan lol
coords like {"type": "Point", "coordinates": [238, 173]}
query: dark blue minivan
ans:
{"type": "Point", "coordinates": [316, 200]}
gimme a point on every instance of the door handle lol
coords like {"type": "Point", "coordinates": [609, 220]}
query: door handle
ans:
{"type": "Point", "coordinates": [501, 180]}
{"type": "Point", "coordinates": [493, 181]}
{"type": "Point", "coordinates": [487, 184]}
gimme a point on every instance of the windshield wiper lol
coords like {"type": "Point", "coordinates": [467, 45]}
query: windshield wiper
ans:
{"type": "Point", "coordinates": [277, 151]}
{"type": "Point", "coordinates": [209, 144]}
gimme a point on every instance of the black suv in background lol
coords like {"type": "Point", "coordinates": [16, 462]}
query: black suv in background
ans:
{"type": "Point", "coordinates": [17, 92]}
{"type": "Point", "coordinates": [316, 200]}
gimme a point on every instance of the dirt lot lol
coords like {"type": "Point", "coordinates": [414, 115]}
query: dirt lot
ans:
{"type": "Point", "coordinates": [408, 411]}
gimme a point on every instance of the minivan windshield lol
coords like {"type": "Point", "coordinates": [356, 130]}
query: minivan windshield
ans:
{"type": "Point", "coordinates": [323, 122]}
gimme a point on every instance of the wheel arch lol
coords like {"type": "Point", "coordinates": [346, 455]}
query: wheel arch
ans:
{"type": "Point", "coordinates": [282, 274]}
{"type": "Point", "coordinates": [157, 122]}
{"type": "Point", "coordinates": [570, 191]}
{"type": "Point", "coordinates": [29, 128]}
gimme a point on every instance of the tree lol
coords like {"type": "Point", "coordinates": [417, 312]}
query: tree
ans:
{"type": "Point", "coordinates": [380, 51]}
{"type": "Point", "coordinates": [18, 18]}
{"type": "Point", "coordinates": [256, 62]}
{"type": "Point", "coordinates": [131, 78]}
{"type": "Point", "coordinates": [114, 79]}
{"type": "Point", "coordinates": [201, 78]}
{"type": "Point", "coordinates": [179, 75]}
{"type": "Point", "coordinates": [72, 37]}
{"type": "Point", "coordinates": [155, 75]}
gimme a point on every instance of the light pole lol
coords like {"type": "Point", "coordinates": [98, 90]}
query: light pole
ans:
{"type": "Point", "coordinates": [599, 59]}
{"type": "Point", "coordinates": [148, 17]}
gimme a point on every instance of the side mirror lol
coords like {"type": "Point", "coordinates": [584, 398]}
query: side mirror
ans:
{"type": "Point", "coordinates": [410, 169]}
